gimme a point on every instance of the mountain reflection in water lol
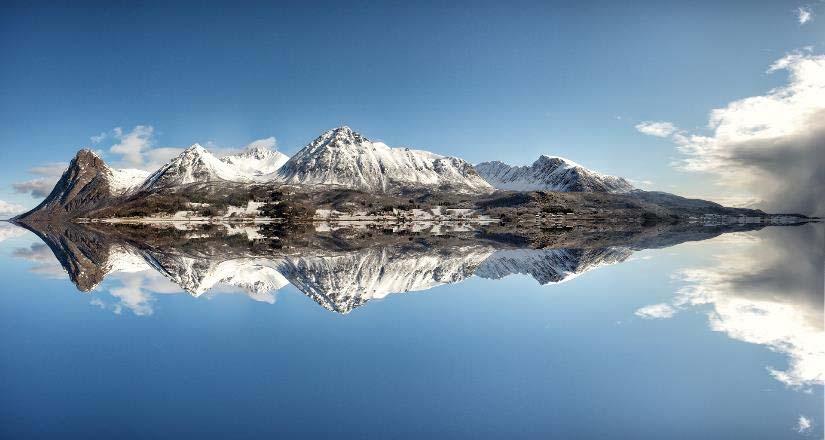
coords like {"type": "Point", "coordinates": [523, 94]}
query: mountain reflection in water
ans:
{"type": "Point", "coordinates": [758, 285]}
{"type": "Point", "coordinates": [340, 268]}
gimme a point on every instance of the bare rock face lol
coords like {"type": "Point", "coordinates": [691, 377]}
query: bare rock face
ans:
{"type": "Point", "coordinates": [84, 186]}
{"type": "Point", "coordinates": [82, 252]}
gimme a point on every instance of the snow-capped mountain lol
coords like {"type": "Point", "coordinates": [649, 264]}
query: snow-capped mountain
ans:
{"type": "Point", "coordinates": [257, 277]}
{"type": "Point", "coordinates": [549, 265]}
{"type": "Point", "coordinates": [197, 165]}
{"type": "Point", "coordinates": [87, 183]}
{"type": "Point", "coordinates": [550, 174]}
{"type": "Point", "coordinates": [342, 157]}
{"type": "Point", "coordinates": [194, 164]}
{"type": "Point", "coordinates": [341, 282]}
{"type": "Point", "coordinates": [258, 163]}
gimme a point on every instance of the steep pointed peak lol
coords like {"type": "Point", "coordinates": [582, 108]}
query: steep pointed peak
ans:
{"type": "Point", "coordinates": [195, 148]}
{"type": "Point", "coordinates": [344, 129]}
{"type": "Point", "coordinates": [87, 152]}
{"type": "Point", "coordinates": [193, 152]}
{"type": "Point", "coordinates": [343, 135]}
{"type": "Point", "coordinates": [87, 157]}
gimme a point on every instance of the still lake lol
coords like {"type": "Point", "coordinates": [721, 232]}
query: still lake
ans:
{"type": "Point", "coordinates": [721, 338]}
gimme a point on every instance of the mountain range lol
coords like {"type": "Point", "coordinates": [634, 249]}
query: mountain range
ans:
{"type": "Point", "coordinates": [550, 174]}
{"type": "Point", "coordinates": [338, 159]}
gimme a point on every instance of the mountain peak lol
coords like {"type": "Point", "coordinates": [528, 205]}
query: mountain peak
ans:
{"type": "Point", "coordinates": [340, 136]}
{"type": "Point", "coordinates": [344, 129]}
{"type": "Point", "coordinates": [546, 160]}
{"type": "Point", "coordinates": [86, 154]}
{"type": "Point", "coordinates": [195, 148]}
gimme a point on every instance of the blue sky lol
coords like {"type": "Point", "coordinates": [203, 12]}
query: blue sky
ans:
{"type": "Point", "coordinates": [483, 81]}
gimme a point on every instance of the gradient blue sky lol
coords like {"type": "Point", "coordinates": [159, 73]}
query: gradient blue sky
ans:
{"type": "Point", "coordinates": [483, 81]}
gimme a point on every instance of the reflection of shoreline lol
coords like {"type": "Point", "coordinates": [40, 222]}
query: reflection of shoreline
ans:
{"type": "Point", "coordinates": [343, 267]}
{"type": "Point", "coordinates": [775, 300]}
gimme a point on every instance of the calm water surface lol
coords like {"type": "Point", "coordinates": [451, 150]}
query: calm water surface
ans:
{"type": "Point", "coordinates": [721, 338]}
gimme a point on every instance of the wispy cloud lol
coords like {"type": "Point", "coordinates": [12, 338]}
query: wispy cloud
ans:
{"type": "Point", "coordinates": [7, 209]}
{"type": "Point", "coordinates": [132, 145]}
{"type": "Point", "coordinates": [45, 264]}
{"type": "Point", "coordinates": [135, 148]}
{"type": "Point", "coordinates": [656, 311]}
{"type": "Point", "coordinates": [771, 146]}
{"type": "Point", "coordinates": [656, 128]}
{"type": "Point", "coordinates": [9, 231]}
{"type": "Point", "coordinates": [41, 186]}
{"type": "Point", "coordinates": [269, 143]}
{"type": "Point", "coordinates": [804, 14]}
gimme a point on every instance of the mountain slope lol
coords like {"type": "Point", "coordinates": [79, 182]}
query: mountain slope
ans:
{"type": "Point", "coordinates": [194, 164]}
{"type": "Point", "coordinates": [257, 163]}
{"type": "Point", "coordinates": [344, 158]}
{"type": "Point", "coordinates": [550, 174]}
{"type": "Point", "coordinates": [88, 183]}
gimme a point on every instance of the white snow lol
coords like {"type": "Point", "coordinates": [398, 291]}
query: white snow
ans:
{"type": "Point", "coordinates": [258, 163]}
{"type": "Point", "coordinates": [195, 164]}
{"type": "Point", "coordinates": [122, 181]}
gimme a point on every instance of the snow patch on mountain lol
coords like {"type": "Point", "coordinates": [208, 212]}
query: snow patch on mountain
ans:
{"type": "Point", "coordinates": [124, 181]}
{"type": "Point", "coordinates": [257, 163]}
{"type": "Point", "coordinates": [550, 173]}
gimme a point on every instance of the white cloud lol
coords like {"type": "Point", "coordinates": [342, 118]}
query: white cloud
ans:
{"type": "Point", "coordinates": [774, 300]}
{"type": "Point", "coordinates": [41, 186]}
{"type": "Point", "coordinates": [132, 145]}
{"type": "Point", "coordinates": [46, 264]}
{"type": "Point", "coordinates": [132, 294]}
{"type": "Point", "coordinates": [158, 157]}
{"type": "Point", "coordinates": [656, 311]}
{"type": "Point", "coordinates": [804, 14]}
{"type": "Point", "coordinates": [96, 139]}
{"type": "Point", "coordinates": [7, 208]}
{"type": "Point", "coordinates": [136, 148]}
{"type": "Point", "coordinates": [268, 143]}
{"type": "Point", "coordinates": [9, 231]}
{"type": "Point", "coordinates": [803, 425]}
{"type": "Point", "coordinates": [769, 147]}
{"type": "Point", "coordinates": [656, 128]}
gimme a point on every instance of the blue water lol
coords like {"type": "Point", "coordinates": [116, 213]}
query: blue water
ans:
{"type": "Point", "coordinates": [477, 359]}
